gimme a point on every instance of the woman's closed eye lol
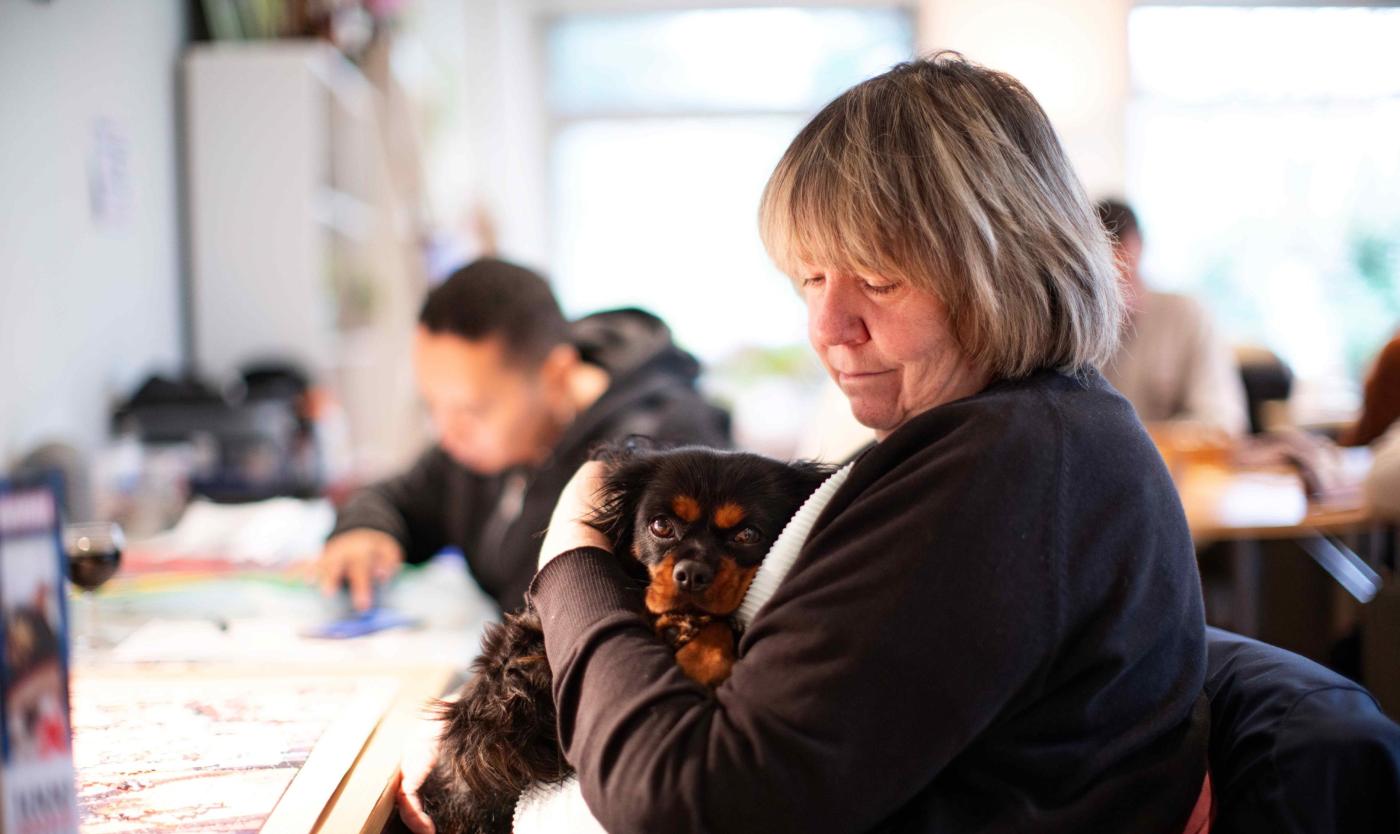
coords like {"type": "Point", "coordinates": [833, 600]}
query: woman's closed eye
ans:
{"type": "Point", "coordinates": [872, 287]}
{"type": "Point", "coordinates": [879, 289]}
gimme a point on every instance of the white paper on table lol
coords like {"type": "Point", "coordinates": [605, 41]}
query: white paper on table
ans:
{"type": "Point", "coordinates": [274, 532]}
{"type": "Point", "coordinates": [1355, 463]}
{"type": "Point", "coordinates": [194, 640]}
{"type": "Point", "coordinates": [1263, 499]}
{"type": "Point", "coordinates": [261, 640]}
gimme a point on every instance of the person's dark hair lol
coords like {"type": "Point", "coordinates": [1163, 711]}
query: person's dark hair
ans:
{"type": "Point", "coordinates": [1118, 218]}
{"type": "Point", "coordinates": [492, 298]}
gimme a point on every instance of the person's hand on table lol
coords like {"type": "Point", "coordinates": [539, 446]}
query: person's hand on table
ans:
{"type": "Point", "coordinates": [415, 763]}
{"type": "Point", "coordinates": [567, 529]}
{"type": "Point", "coordinates": [360, 558]}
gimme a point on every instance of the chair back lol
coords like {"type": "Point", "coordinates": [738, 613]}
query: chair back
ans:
{"type": "Point", "coordinates": [1295, 747]}
{"type": "Point", "coordinates": [1266, 378]}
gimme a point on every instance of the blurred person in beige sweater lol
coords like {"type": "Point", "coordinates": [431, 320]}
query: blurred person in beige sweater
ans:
{"type": "Point", "coordinates": [1172, 365]}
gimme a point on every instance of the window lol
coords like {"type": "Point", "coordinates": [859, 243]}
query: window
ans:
{"type": "Point", "coordinates": [664, 128]}
{"type": "Point", "coordinates": [1264, 158]}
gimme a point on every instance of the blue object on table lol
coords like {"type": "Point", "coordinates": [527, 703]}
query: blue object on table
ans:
{"type": "Point", "coordinates": [352, 623]}
{"type": "Point", "coordinates": [365, 622]}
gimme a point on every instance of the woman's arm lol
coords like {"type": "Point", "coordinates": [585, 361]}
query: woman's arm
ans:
{"type": "Point", "coordinates": [899, 635]}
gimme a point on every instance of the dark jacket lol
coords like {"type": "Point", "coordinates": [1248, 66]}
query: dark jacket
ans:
{"type": "Point", "coordinates": [496, 520]}
{"type": "Point", "coordinates": [1296, 748]}
{"type": "Point", "coordinates": [995, 626]}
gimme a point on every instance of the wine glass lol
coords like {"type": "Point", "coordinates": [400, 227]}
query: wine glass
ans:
{"type": "Point", "coordinates": [94, 554]}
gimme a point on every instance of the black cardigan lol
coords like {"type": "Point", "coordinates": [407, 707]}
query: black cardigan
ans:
{"type": "Point", "coordinates": [995, 626]}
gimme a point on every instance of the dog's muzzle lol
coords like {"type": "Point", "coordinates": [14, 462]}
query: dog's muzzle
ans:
{"type": "Point", "coordinates": [692, 576]}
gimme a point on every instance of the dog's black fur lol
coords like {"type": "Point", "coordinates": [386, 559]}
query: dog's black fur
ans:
{"type": "Point", "coordinates": [658, 508]}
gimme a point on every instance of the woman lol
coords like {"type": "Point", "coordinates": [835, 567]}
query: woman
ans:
{"type": "Point", "coordinates": [1383, 481]}
{"type": "Point", "coordinates": [1379, 426]}
{"type": "Point", "coordinates": [996, 623]}
{"type": "Point", "coordinates": [1380, 403]}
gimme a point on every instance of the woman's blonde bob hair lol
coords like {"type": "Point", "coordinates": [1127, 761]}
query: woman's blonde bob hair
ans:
{"type": "Point", "coordinates": [947, 175]}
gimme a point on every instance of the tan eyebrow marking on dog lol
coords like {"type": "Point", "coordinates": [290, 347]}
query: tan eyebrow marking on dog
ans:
{"type": "Point", "coordinates": [687, 508]}
{"type": "Point", "coordinates": [728, 515]}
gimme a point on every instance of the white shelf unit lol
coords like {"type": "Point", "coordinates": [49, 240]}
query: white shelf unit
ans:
{"type": "Point", "coordinates": [299, 247]}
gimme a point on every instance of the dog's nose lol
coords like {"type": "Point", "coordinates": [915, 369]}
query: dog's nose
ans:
{"type": "Point", "coordinates": [693, 576]}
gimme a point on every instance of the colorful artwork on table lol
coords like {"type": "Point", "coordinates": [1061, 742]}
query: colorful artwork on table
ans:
{"type": "Point", "coordinates": [217, 756]}
{"type": "Point", "coordinates": [36, 779]}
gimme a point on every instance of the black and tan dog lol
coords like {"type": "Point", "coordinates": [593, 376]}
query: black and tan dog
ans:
{"type": "Point", "coordinates": [693, 525]}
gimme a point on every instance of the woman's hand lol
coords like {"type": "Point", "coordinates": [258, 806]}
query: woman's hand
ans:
{"type": "Point", "coordinates": [416, 762]}
{"type": "Point", "coordinates": [567, 530]}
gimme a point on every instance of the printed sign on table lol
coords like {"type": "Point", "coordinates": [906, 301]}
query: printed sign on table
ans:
{"type": "Point", "coordinates": [36, 752]}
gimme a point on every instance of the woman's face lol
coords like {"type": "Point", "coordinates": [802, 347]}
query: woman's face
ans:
{"type": "Point", "coordinates": [887, 345]}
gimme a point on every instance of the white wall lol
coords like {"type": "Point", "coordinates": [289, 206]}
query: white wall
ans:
{"type": "Point", "coordinates": [1071, 54]}
{"type": "Point", "coordinates": [507, 130]}
{"type": "Point", "coordinates": [86, 308]}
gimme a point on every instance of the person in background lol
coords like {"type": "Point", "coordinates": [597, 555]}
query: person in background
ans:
{"type": "Point", "coordinates": [1383, 481]}
{"type": "Point", "coordinates": [1171, 365]}
{"type": "Point", "coordinates": [1380, 402]}
{"type": "Point", "coordinates": [1379, 427]}
{"type": "Point", "coordinates": [518, 397]}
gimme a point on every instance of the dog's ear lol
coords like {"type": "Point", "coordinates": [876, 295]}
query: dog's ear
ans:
{"type": "Point", "coordinates": [628, 473]}
{"type": "Point", "coordinates": [810, 474]}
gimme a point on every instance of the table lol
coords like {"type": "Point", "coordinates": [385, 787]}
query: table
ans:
{"type": "Point", "coordinates": [345, 784]}
{"type": "Point", "coordinates": [365, 798]}
{"type": "Point", "coordinates": [1230, 503]}
{"type": "Point", "coordinates": [181, 632]}
{"type": "Point", "coordinates": [1225, 503]}
{"type": "Point", "coordinates": [1260, 515]}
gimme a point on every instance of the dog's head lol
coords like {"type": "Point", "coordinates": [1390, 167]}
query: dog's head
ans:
{"type": "Point", "coordinates": [699, 520]}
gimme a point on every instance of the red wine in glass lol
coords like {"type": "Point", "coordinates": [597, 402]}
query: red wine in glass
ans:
{"type": "Point", "coordinates": [88, 570]}
{"type": "Point", "coordinates": [94, 554]}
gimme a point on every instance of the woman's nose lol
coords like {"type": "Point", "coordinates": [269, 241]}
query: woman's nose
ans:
{"type": "Point", "coordinates": [833, 318]}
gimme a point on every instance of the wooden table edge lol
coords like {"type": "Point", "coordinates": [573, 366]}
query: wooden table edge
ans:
{"type": "Point", "coordinates": [1321, 521]}
{"type": "Point", "coordinates": [364, 799]}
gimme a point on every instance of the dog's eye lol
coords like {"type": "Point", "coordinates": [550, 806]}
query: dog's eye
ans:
{"type": "Point", "coordinates": [662, 528]}
{"type": "Point", "coordinates": [748, 535]}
